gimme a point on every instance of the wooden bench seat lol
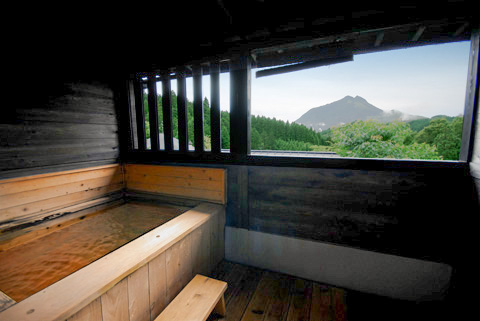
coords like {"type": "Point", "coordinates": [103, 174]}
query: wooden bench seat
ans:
{"type": "Point", "coordinates": [196, 301]}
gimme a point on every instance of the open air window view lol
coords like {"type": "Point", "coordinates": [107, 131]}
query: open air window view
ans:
{"type": "Point", "coordinates": [400, 104]}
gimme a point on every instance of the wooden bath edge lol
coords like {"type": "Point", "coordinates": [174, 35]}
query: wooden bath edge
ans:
{"type": "Point", "coordinates": [69, 295]}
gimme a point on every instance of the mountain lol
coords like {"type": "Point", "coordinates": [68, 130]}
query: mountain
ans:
{"type": "Point", "coordinates": [347, 110]}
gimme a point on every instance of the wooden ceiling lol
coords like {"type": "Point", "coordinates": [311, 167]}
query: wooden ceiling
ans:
{"type": "Point", "coordinates": [141, 36]}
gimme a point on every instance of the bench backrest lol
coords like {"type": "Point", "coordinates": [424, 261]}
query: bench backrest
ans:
{"type": "Point", "coordinates": [206, 184]}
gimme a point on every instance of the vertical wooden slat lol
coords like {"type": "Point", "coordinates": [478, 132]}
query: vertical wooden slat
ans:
{"type": "Point", "coordinates": [471, 99]}
{"type": "Point", "coordinates": [138, 295]}
{"type": "Point", "coordinates": [139, 113]}
{"type": "Point", "coordinates": [132, 116]}
{"type": "Point", "coordinates": [167, 112]}
{"type": "Point", "coordinates": [153, 112]}
{"type": "Point", "coordinates": [178, 266]}
{"type": "Point", "coordinates": [240, 81]}
{"type": "Point", "coordinates": [198, 109]}
{"type": "Point", "coordinates": [182, 110]}
{"type": "Point", "coordinates": [115, 303]}
{"type": "Point", "coordinates": [157, 276]}
{"type": "Point", "coordinates": [215, 107]}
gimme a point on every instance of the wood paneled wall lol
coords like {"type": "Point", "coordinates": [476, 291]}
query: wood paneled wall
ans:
{"type": "Point", "coordinates": [59, 123]}
{"type": "Point", "coordinates": [206, 184]}
{"type": "Point", "coordinates": [413, 213]}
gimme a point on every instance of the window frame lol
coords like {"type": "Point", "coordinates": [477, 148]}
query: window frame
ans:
{"type": "Point", "coordinates": [240, 74]}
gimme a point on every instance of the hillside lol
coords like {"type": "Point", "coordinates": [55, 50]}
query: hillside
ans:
{"type": "Point", "coordinates": [347, 110]}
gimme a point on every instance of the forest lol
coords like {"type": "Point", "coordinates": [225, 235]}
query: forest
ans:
{"type": "Point", "coordinates": [436, 138]}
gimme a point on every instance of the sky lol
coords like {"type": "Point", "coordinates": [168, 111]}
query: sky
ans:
{"type": "Point", "coordinates": [426, 81]}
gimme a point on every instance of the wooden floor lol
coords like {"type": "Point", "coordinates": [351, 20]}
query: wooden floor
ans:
{"type": "Point", "coordinates": [255, 294]}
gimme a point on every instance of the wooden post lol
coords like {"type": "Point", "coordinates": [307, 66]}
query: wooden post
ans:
{"type": "Point", "coordinates": [215, 107]}
{"type": "Point", "coordinates": [240, 88]}
{"type": "Point", "coordinates": [153, 112]}
{"type": "Point", "coordinates": [471, 100]}
{"type": "Point", "coordinates": [198, 108]}
{"type": "Point", "coordinates": [167, 112]}
{"type": "Point", "coordinates": [182, 110]}
{"type": "Point", "coordinates": [139, 113]}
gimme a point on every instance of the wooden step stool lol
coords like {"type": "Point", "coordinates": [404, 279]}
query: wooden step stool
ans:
{"type": "Point", "coordinates": [196, 301]}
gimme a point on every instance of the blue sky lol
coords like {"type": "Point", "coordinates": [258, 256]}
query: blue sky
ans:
{"type": "Point", "coordinates": [426, 81]}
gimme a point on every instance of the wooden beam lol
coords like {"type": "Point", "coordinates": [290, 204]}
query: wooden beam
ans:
{"type": "Point", "coordinates": [139, 113]}
{"type": "Point", "coordinates": [215, 107]}
{"type": "Point", "coordinates": [379, 39]}
{"type": "Point", "coordinates": [302, 66]}
{"type": "Point", "coordinates": [182, 110]}
{"type": "Point", "coordinates": [198, 108]}
{"type": "Point", "coordinates": [240, 88]}
{"type": "Point", "coordinates": [153, 113]}
{"type": "Point", "coordinates": [471, 101]}
{"type": "Point", "coordinates": [418, 34]}
{"type": "Point", "coordinates": [167, 112]}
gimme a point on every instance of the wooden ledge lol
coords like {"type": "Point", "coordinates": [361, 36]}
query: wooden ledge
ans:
{"type": "Point", "coordinates": [66, 297]}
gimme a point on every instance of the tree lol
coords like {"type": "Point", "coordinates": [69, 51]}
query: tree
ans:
{"type": "Point", "coordinates": [371, 139]}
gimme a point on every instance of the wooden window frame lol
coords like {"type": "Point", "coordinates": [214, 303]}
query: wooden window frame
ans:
{"type": "Point", "coordinates": [240, 73]}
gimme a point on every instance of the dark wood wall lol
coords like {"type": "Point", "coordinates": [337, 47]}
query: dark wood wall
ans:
{"type": "Point", "coordinates": [52, 124]}
{"type": "Point", "coordinates": [414, 213]}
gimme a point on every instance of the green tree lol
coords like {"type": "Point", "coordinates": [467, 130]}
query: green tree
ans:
{"type": "Point", "coordinates": [371, 139]}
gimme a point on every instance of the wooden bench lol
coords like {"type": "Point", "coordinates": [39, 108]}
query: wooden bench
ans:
{"type": "Point", "coordinates": [196, 301]}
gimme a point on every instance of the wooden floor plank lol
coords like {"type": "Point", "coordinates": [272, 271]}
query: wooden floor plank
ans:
{"type": "Point", "coordinates": [256, 308]}
{"type": "Point", "coordinates": [243, 293]}
{"type": "Point", "coordinates": [338, 304]}
{"type": "Point", "coordinates": [321, 303]}
{"type": "Point", "coordinates": [300, 301]}
{"type": "Point", "coordinates": [279, 304]}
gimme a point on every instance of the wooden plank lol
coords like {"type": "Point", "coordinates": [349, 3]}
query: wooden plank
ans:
{"type": "Point", "coordinates": [5, 301]}
{"type": "Point", "coordinates": [138, 295]}
{"type": "Point", "coordinates": [167, 112]}
{"type": "Point", "coordinates": [198, 109]}
{"type": "Point", "coordinates": [196, 301]}
{"type": "Point", "coordinates": [37, 209]}
{"type": "Point", "coordinates": [176, 181]}
{"type": "Point", "coordinates": [99, 276]}
{"type": "Point", "coordinates": [213, 174]}
{"type": "Point", "coordinates": [33, 183]}
{"type": "Point", "coordinates": [338, 304]}
{"type": "Point", "coordinates": [153, 113]}
{"type": "Point", "coordinates": [213, 196]}
{"type": "Point", "coordinates": [300, 301]}
{"type": "Point", "coordinates": [240, 87]}
{"type": "Point", "coordinates": [243, 294]}
{"type": "Point", "coordinates": [182, 110]}
{"type": "Point", "coordinates": [321, 303]}
{"type": "Point", "coordinates": [179, 267]}
{"type": "Point", "coordinates": [215, 107]}
{"type": "Point", "coordinates": [115, 303]}
{"type": "Point", "coordinates": [278, 305]}
{"type": "Point", "coordinates": [139, 113]}
{"type": "Point", "coordinates": [16, 199]}
{"type": "Point", "coordinates": [92, 312]}
{"type": "Point", "coordinates": [157, 275]}
{"type": "Point", "coordinates": [260, 301]}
